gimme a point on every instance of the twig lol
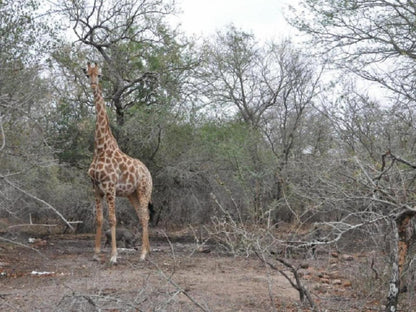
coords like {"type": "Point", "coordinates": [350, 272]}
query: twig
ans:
{"type": "Point", "coordinates": [170, 245]}
{"type": "Point", "coordinates": [371, 180]}
{"type": "Point", "coordinates": [31, 224]}
{"type": "Point", "coordinates": [179, 288]}
{"type": "Point", "coordinates": [13, 308]}
{"type": "Point", "coordinates": [200, 242]}
{"type": "Point", "coordinates": [3, 136]}
{"type": "Point", "coordinates": [22, 245]}
{"type": "Point", "coordinates": [373, 268]}
{"type": "Point", "coordinates": [94, 299]}
{"type": "Point", "coordinates": [399, 159]}
{"type": "Point", "coordinates": [297, 284]}
{"type": "Point", "coordinates": [269, 287]}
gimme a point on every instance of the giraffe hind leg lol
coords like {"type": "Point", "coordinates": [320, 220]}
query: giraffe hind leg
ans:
{"type": "Point", "coordinates": [140, 204]}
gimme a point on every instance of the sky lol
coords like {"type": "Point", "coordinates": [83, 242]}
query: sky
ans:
{"type": "Point", "coordinates": [264, 18]}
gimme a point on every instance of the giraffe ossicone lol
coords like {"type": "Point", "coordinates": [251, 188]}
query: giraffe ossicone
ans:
{"type": "Point", "coordinates": [114, 173]}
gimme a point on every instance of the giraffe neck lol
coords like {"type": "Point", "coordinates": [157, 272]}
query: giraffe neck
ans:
{"type": "Point", "coordinates": [104, 138]}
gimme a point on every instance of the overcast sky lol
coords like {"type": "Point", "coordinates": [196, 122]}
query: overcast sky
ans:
{"type": "Point", "coordinates": [262, 17]}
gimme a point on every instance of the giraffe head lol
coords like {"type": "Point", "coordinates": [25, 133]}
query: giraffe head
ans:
{"type": "Point", "coordinates": [93, 72]}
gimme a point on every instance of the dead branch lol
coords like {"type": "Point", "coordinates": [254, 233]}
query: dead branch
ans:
{"type": "Point", "coordinates": [297, 284]}
{"type": "Point", "coordinates": [399, 159]}
{"type": "Point", "coordinates": [2, 134]}
{"type": "Point", "coordinates": [12, 307]}
{"type": "Point", "coordinates": [22, 245]}
{"type": "Point", "coordinates": [179, 288]}
{"type": "Point", "coordinates": [269, 287]}
{"type": "Point", "coordinates": [30, 224]}
{"type": "Point", "coordinates": [393, 158]}
{"type": "Point", "coordinates": [39, 200]}
{"type": "Point", "coordinates": [376, 275]}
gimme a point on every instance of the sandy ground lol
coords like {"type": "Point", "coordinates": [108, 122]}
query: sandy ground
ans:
{"type": "Point", "coordinates": [61, 276]}
{"type": "Point", "coordinates": [57, 273]}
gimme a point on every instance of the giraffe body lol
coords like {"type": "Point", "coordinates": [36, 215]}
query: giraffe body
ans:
{"type": "Point", "coordinates": [127, 174]}
{"type": "Point", "coordinates": [114, 173]}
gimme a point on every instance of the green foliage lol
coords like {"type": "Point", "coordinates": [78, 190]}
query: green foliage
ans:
{"type": "Point", "coordinates": [72, 135]}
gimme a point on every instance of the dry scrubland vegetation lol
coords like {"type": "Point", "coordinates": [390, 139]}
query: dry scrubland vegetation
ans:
{"type": "Point", "coordinates": [281, 182]}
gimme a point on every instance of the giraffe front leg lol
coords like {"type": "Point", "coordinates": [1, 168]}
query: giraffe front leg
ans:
{"type": "Point", "coordinates": [99, 224]}
{"type": "Point", "coordinates": [112, 221]}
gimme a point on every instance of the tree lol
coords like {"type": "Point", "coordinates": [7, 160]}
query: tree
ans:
{"type": "Point", "coordinates": [144, 58]}
{"type": "Point", "coordinates": [373, 39]}
{"type": "Point", "coordinates": [22, 91]}
{"type": "Point", "coordinates": [270, 89]}
{"type": "Point", "coordinates": [366, 181]}
{"type": "Point", "coordinates": [232, 76]}
{"type": "Point", "coordinates": [26, 156]}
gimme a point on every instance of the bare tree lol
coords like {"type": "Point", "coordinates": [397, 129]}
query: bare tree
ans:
{"type": "Point", "coordinates": [244, 78]}
{"type": "Point", "coordinates": [374, 39]}
{"type": "Point", "coordinates": [270, 88]}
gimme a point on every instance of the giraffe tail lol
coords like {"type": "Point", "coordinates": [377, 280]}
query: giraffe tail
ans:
{"type": "Point", "coordinates": [151, 212]}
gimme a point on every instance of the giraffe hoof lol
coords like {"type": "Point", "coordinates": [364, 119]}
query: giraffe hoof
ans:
{"type": "Point", "coordinates": [143, 256]}
{"type": "Point", "coordinates": [113, 260]}
{"type": "Point", "coordinates": [96, 258]}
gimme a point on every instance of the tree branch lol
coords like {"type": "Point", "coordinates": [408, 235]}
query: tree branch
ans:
{"type": "Point", "coordinates": [38, 199]}
{"type": "Point", "coordinates": [2, 134]}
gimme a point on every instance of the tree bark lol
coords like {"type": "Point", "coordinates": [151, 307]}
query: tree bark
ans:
{"type": "Point", "coordinates": [400, 246]}
{"type": "Point", "coordinates": [394, 284]}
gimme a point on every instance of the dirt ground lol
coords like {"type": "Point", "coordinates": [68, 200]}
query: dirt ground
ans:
{"type": "Point", "coordinates": [58, 274]}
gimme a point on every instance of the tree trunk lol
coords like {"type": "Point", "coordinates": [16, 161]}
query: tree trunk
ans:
{"type": "Point", "coordinates": [119, 111]}
{"type": "Point", "coordinates": [394, 284]}
{"type": "Point", "coordinates": [400, 246]}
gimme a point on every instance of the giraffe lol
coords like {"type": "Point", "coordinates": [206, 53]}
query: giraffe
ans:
{"type": "Point", "coordinates": [114, 173]}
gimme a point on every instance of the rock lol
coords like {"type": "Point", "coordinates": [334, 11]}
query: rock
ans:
{"type": "Point", "coordinates": [336, 282]}
{"type": "Point", "coordinates": [335, 275]}
{"type": "Point", "coordinates": [347, 258]}
{"type": "Point", "coordinates": [40, 243]}
{"type": "Point", "coordinates": [334, 254]}
{"type": "Point", "coordinates": [304, 266]}
{"type": "Point", "coordinates": [323, 275]}
{"type": "Point", "coordinates": [37, 242]}
{"type": "Point", "coordinates": [204, 249]}
{"type": "Point", "coordinates": [325, 280]}
{"type": "Point", "coordinates": [333, 262]}
{"type": "Point", "coordinates": [347, 283]}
